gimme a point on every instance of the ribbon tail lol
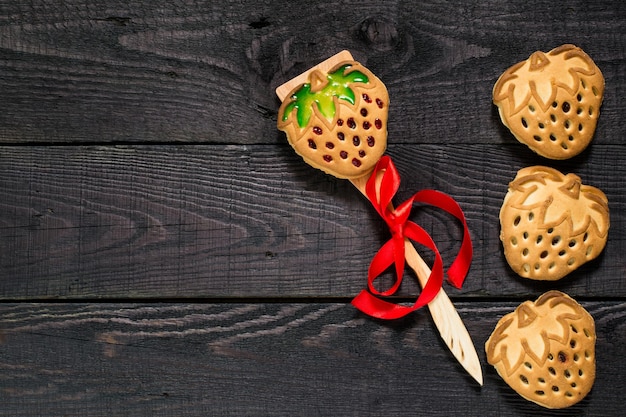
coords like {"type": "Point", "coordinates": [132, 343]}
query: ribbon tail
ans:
{"type": "Point", "coordinates": [460, 266]}
{"type": "Point", "coordinates": [383, 259]}
{"type": "Point", "coordinates": [378, 308]}
{"type": "Point", "coordinates": [375, 307]}
{"type": "Point", "coordinates": [435, 279]}
{"type": "Point", "coordinates": [398, 259]}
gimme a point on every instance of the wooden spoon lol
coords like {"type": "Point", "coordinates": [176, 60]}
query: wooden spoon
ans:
{"type": "Point", "coordinates": [444, 314]}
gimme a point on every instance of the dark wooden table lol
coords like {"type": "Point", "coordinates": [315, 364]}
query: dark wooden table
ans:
{"type": "Point", "coordinates": [164, 252]}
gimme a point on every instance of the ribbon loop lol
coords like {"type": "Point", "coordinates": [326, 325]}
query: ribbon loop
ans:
{"type": "Point", "coordinates": [402, 231]}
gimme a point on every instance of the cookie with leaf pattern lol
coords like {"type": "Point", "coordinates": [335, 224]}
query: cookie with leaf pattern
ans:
{"type": "Point", "coordinates": [552, 223]}
{"type": "Point", "coordinates": [545, 350]}
{"type": "Point", "coordinates": [551, 101]}
{"type": "Point", "coordinates": [337, 120]}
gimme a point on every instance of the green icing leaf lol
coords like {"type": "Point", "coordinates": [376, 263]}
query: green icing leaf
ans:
{"type": "Point", "coordinates": [304, 99]}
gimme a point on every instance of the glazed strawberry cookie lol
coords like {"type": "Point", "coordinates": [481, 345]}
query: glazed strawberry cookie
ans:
{"type": "Point", "coordinates": [551, 223]}
{"type": "Point", "coordinates": [551, 101]}
{"type": "Point", "coordinates": [545, 350]}
{"type": "Point", "coordinates": [337, 121]}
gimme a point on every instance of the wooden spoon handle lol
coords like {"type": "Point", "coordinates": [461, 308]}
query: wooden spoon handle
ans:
{"type": "Point", "coordinates": [446, 318]}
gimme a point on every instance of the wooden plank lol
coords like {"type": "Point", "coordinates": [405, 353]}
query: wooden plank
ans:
{"type": "Point", "coordinates": [265, 359]}
{"type": "Point", "coordinates": [173, 71]}
{"type": "Point", "coordinates": [255, 221]}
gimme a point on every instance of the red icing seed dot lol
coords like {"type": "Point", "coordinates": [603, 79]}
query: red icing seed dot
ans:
{"type": "Point", "coordinates": [351, 123]}
{"type": "Point", "coordinates": [379, 103]}
{"type": "Point", "coordinates": [363, 112]}
{"type": "Point", "coordinates": [371, 141]}
{"type": "Point", "coordinates": [317, 130]}
{"type": "Point", "coordinates": [339, 122]}
{"type": "Point", "coordinates": [367, 98]}
{"type": "Point", "coordinates": [378, 124]}
{"type": "Point", "coordinates": [356, 162]}
{"type": "Point", "coordinates": [366, 125]}
{"type": "Point", "coordinates": [328, 158]}
{"type": "Point", "coordinates": [356, 141]}
{"type": "Point", "coordinates": [312, 144]}
{"type": "Point", "coordinates": [341, 136]}
{"type": "Point", "coordinates": [330, 145]}
{"type": "Point", "coordinates": [343, 154]}
{"type": "Point", "coordinates": [361, 154]}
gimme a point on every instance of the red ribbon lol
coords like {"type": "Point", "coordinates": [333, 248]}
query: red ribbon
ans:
{"type": "Point", "coordinates": [392, 252]}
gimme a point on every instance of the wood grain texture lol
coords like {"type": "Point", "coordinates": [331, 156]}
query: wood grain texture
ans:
{"type": "Point", "coordinates": [144, 184]}
{"type": "Point", "coordinates": [254, 221]}
{"type": "Point", "coordinates": [189, 71]}
{"type": "Point", "coordinates": [264, 359]}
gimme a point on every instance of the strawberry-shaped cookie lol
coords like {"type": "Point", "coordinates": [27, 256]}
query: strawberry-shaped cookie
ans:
{"type": "Point", "coordinates": [551, 101]}
{"type": "Point", "coordinates": [337, 120]}
{"type": "Point", "coordinates": [551, 223]}
{"type": "Point", "coordinates": [546, 350]}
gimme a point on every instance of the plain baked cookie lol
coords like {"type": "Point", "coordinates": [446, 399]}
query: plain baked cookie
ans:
{"type": "Point", "coordinates": [551, 223]}
{"type": "Point", "coordinates": [545, 350]}
{"type": "Point", "coordinates": [337, 120]}
{"type": "Point", "coordinates": [551, 101]}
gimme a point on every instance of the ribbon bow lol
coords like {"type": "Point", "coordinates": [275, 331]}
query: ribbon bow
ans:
{"type": "Point", "coordinates": [392, 252]}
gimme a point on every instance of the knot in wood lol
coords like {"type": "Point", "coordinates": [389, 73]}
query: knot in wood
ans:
{"type": "Point", "coordinates": [381, 34]}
